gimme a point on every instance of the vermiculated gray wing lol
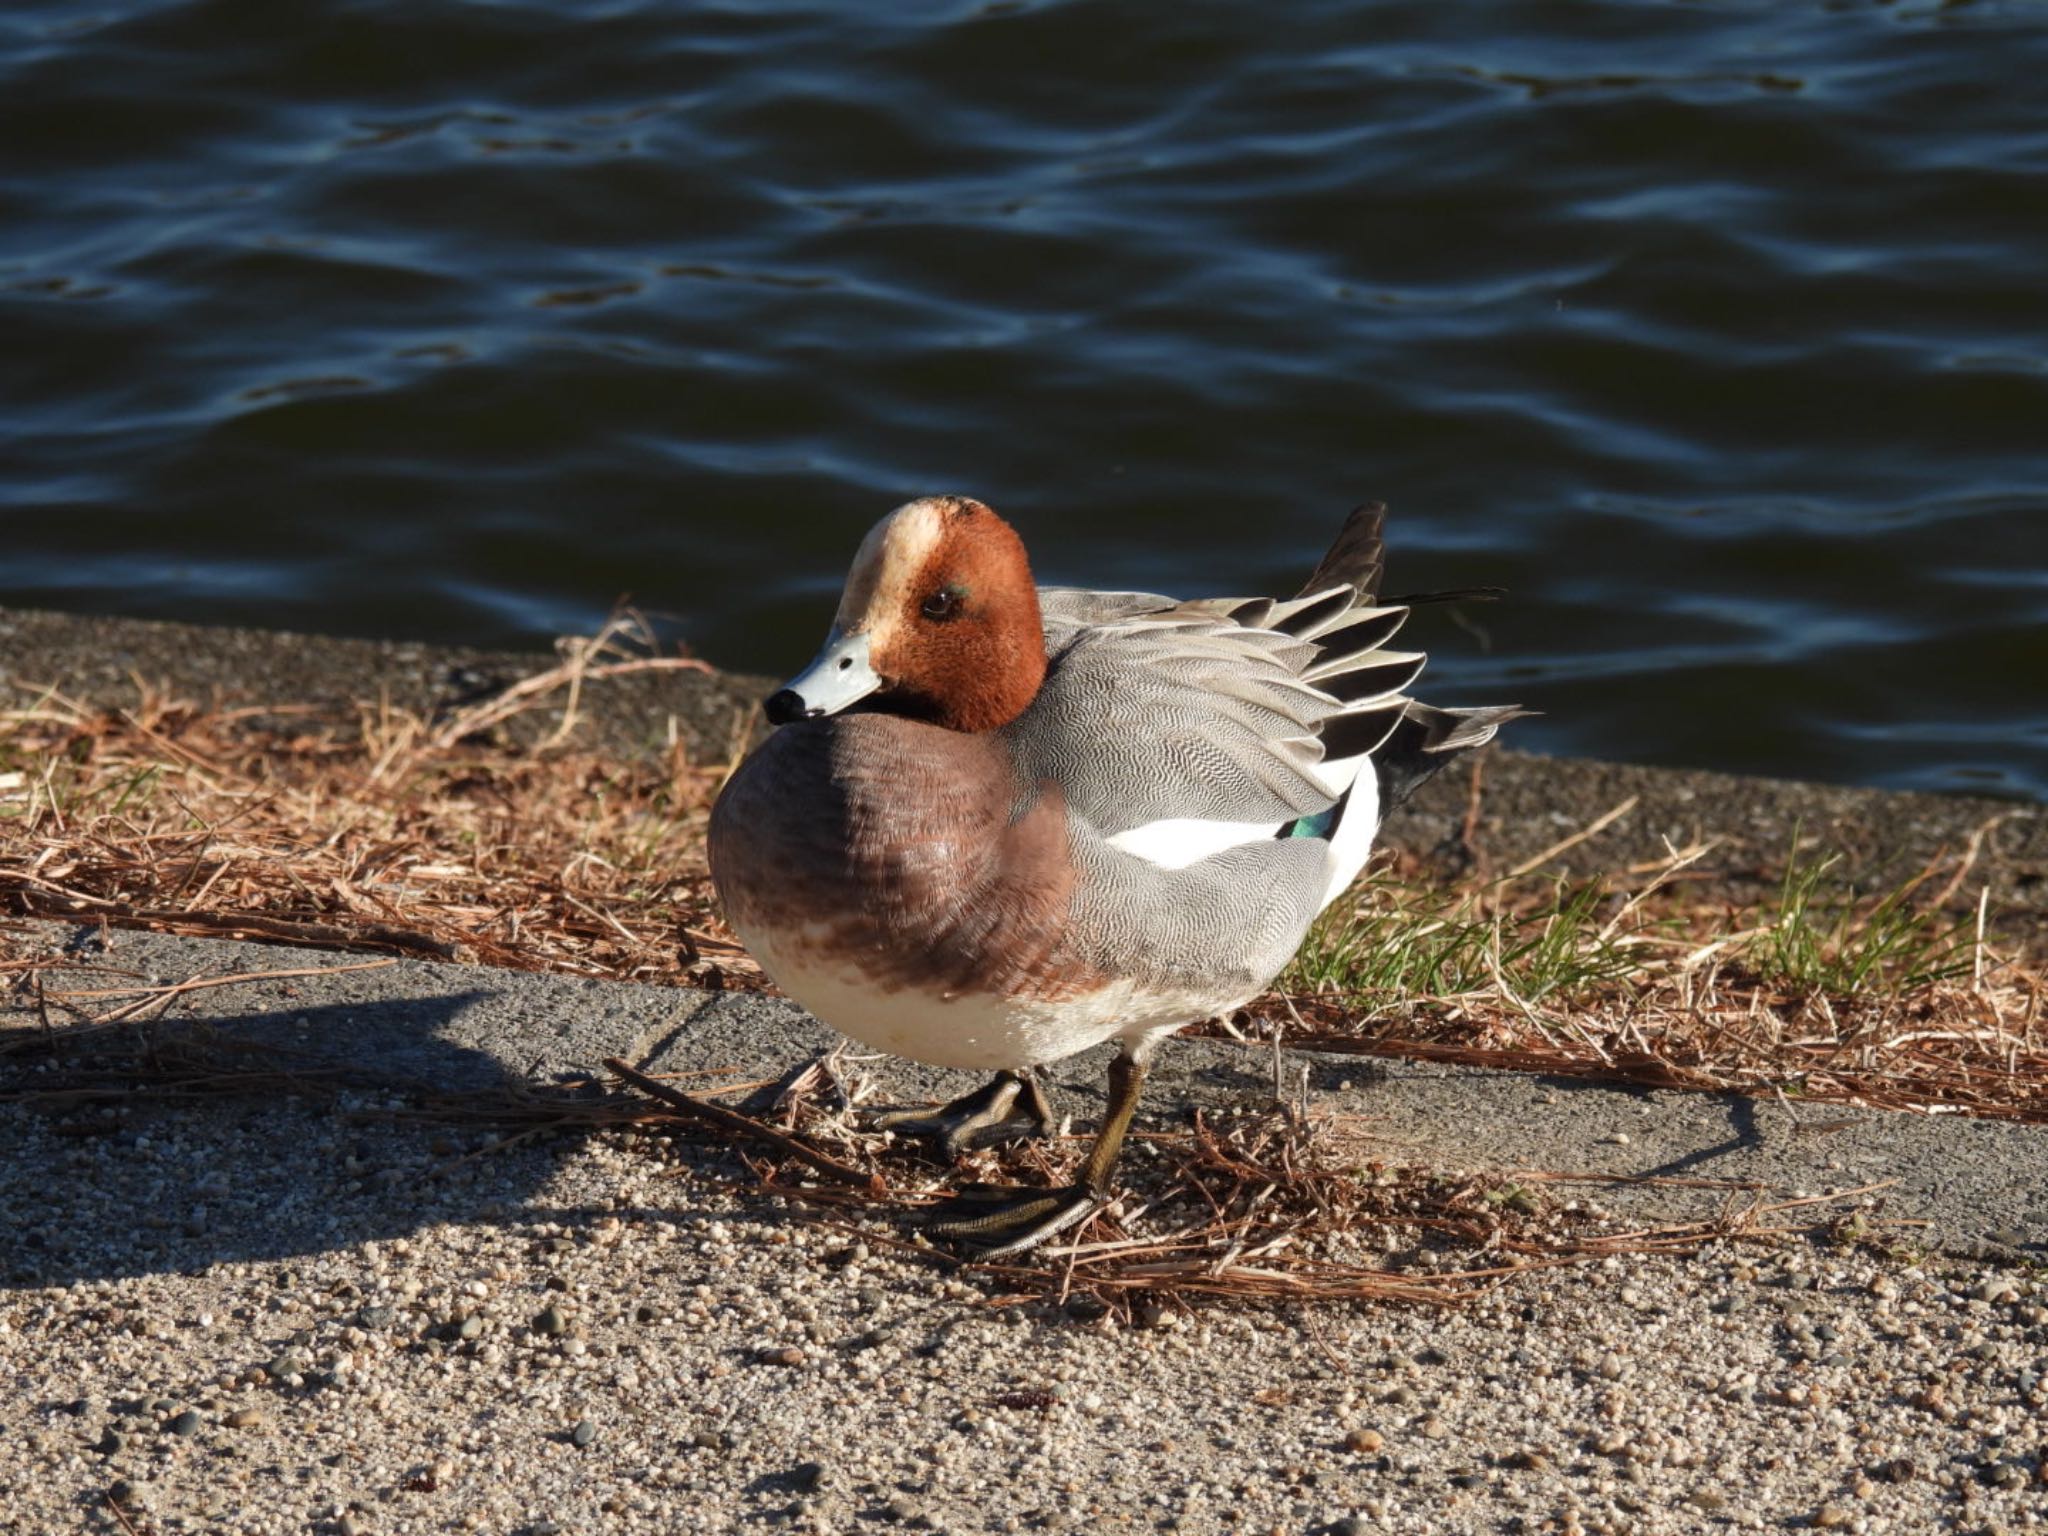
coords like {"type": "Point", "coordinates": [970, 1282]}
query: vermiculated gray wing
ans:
{"type": "Point", "coordinates": [1154, 710]}
{"type": "Point", "coordinates": [1067, 611]}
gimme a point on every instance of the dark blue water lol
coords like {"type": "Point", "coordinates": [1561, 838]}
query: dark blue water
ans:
{"type": "Point", "coordinates": [1719, 333]}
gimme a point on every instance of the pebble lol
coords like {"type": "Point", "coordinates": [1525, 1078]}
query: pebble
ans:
{"type": "Point", "coordinates": [246, 1418]}
{"type": "Point", "coordinates": [1364, 1441]}
{"type": "Point", "coordinates": [552, 1322]}
{"type": "Point", "coordinates": [1350, 1525]}
{"type": "Point", "coordinates": [1830, 1515]}
{"type": "Point", "coordinates": [186, 1423]}
{"type": "Point", "coordinates": [583, 1434]}
{"type": "Point", "coordinates": [790, 1355]}
{"type": "Point", "coordinates": [1615, 1139]}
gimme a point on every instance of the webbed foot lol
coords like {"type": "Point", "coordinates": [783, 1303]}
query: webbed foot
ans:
{"type": "Point", "coordinates": [999, 1221]}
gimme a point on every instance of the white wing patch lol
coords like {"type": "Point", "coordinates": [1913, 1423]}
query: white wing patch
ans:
{"type": "Point", "coordinates": [1179, 841]}
{"type": "Point", "coordinates": [1351, 839]}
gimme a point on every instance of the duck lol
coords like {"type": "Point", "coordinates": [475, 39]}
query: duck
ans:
{"type": "Point", "coordinates": [997, 824]}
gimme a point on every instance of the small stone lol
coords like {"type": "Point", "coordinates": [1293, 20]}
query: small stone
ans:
{"type": "Point", "coordinates": [1830, 1515]}
{"type": "Point", "coordinates": [1997, 1288]}
{"type": "Point", "coordinates": [552, 1322]}
{"type": "Point", "coordinates": [246, 1418]}
{"type": "Point", "coordinates": [808, 1477]}
{"type": "Point", "coordinates": [1434, 1428]}
{"type": "Point", "coordinates": [1615, 1139]}
{"type": "Point", "coordinates": [790, 1355]}
{"type": "Point", "coordinates": [112, 1443]}
{"type": "Point", "coordinates": [1350, 1525]}
{"type": "Point", "coordinates": [471, 1327]}
{"type": "Point", "coordinates": [349, 1525]}
{"type": "Point", "coordinates": [1364, 1441]}
{"type": "Point", "coordinates": [186, 1423]}
{"type": "Point", "coordinates": [1707, 1499]}
{"type": "Point", "coordinates": [377, 1317]}
{"type": "Point", "coordinates": [711, 1440]}
{"type": "Point", "coordinates": [123, 1492]}
{"type": "Point", "coordinates": [583, 1434]}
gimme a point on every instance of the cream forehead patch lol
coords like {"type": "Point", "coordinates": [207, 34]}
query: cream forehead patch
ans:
{"type": "Point", "coordinates": [888, 561]}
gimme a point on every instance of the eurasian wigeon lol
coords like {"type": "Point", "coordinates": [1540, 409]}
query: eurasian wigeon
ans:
{"type": "Point", "coordinates": [1000, 823]}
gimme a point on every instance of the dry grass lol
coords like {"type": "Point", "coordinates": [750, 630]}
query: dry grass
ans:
{"type": "Point", "coordinates": [382, 831]}
{"type": "Point", "coordinates": [1891, 999]}
{"type": "Point", "coordinates": [385, 831]}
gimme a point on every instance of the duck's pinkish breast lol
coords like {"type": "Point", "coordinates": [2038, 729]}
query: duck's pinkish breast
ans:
{"type": "Point", "coordinates": [901, 855]}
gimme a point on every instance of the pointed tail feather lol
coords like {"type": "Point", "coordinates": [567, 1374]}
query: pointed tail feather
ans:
{"type": "Point", "coordinates": [1357, 557]}
{"type": "Point", "coordinates": [1427, 738]}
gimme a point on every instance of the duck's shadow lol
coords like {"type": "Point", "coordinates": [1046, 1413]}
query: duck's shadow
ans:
{"type": "Point", "coordinates": [222, 1140]}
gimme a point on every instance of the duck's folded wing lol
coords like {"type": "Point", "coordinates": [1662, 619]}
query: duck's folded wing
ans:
{"type": "Point", "coordinates": [1155, 711]}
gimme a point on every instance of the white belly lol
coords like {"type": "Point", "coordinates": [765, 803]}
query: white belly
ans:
{"type": "Point", "coordinates": [970, 1029]}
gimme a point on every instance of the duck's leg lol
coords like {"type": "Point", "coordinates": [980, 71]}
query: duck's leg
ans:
{"type": "Point", "coordinates": [1001, 1221]}
{"type": "Point", "coordinates": [1008, 1107]}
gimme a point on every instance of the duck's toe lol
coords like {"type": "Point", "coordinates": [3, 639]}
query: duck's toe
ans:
{"type": "Point", "coordinates": [1011, 1106]}
{"type": "Point", "coordinates": [998, 1221]}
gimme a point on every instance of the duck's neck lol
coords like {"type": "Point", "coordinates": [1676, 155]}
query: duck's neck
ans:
{"type": "Point", "coordinates": [992, 697]}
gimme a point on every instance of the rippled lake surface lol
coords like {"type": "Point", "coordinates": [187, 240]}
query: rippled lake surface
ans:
{"type": "Point", "coordinates": [1716, 332]}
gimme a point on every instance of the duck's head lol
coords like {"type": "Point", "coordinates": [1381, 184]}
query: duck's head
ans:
{"type": "Point", "coordinates": [939, 621]}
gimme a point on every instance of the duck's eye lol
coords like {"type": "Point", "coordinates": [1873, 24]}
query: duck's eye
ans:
{"type": "Point", "coordinates": [944, 603]}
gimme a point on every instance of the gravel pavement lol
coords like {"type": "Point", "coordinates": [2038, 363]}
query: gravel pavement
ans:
{"type": "Point", "coordinates": [260, 1311]}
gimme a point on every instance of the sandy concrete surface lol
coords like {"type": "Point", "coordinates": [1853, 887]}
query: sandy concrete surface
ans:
{"type": "Point", "coordinates": [262, 1311]}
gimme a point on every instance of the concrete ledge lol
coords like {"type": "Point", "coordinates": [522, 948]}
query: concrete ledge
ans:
{"type": "Point", "coordinates": [1528, 803]}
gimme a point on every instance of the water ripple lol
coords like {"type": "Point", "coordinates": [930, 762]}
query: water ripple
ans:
{"type": "Point", "coordinates": [1717, 332]}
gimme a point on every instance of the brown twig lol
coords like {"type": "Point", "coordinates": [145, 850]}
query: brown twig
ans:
{"type": "Point", "coordinates": [736, 1124]}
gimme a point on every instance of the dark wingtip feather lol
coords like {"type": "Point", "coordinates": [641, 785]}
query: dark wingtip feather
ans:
{"type": "Point", "coordinates": [1356, 558]}
{"type": "Point", "coordinates": [1427, 738]}
{"type": "Point", "coordinates": [1357, 734]}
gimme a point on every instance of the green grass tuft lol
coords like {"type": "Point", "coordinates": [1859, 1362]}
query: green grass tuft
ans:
{"type": "Point", "coordinates": [1824, 938]}
{"type": "Point", "coordinates": [1397, 943]}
